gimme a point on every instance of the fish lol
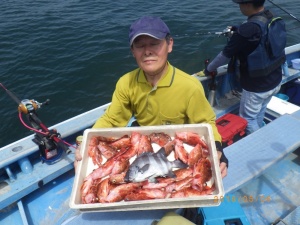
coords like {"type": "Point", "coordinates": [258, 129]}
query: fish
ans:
{"type": "Point", "coordinates": [148, 166]}
{"type": "Point", "coordinates": [191, 138]}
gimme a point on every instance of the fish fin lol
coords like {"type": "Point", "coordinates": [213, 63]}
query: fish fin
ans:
{"type": "Point", "coordinates": [144, 168]}
{"type": "Point", "coordinates": [152, 179]}
{"type": "Point", "coordinates": [162, 151]}
{"type": "Point", "coordinates": [171, 174]}
{"type": "Point", "coordinates": [144, 153]}
{"type": "Point", "coordinates": [179, 164]}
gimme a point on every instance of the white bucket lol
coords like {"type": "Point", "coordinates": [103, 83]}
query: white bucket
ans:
{"type": "Point", "coordinates": [296, 64]}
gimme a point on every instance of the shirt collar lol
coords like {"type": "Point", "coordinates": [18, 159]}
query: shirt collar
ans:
{"type": "Point", "coordinates": [166, 79]}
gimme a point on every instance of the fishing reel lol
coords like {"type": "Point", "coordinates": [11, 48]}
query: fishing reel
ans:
{"type": "Point", "coordinates": [228, 31]}
{"type": "Point", "coordinates": [27, 106]}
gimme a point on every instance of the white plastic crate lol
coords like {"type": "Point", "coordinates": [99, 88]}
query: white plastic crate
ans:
{"type": "Point", "coordinates": [85, 167]}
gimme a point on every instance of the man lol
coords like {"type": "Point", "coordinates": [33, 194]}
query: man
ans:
{"type": "Point", "coordinates": [157, 93]}
{"type": "Point", "coordinates": [259, 72]}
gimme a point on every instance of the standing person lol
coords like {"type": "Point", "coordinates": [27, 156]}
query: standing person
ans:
{"type": "Point", "coordinates": [259, 70]}
{"type": "Point", "coordinates": [157, 93]}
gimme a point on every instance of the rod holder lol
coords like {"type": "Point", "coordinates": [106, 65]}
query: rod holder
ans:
{"type": "Point", "coordinates": [25, 165]}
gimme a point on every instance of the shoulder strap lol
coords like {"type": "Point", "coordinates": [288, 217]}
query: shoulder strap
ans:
{"type": "Point", "coordinates": [259, 19]}
{"type": "Point", "coordinates": [264, 17]}
{"type": "Point", "coordinates": [273, 20]}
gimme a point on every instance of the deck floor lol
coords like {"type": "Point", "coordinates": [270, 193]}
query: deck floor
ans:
{"type": "Point", "coordinates": [274, 194]}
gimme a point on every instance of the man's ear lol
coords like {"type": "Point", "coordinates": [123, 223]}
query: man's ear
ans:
{"type": "Point", "coordinates": [170, 45]}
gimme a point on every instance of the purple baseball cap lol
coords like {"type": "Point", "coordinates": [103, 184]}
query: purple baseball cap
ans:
{"type": "Point", "coordinates": [148, 25]}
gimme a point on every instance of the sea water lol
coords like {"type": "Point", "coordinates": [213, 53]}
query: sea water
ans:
{"type": "Point", "coordinates": [73, 52]}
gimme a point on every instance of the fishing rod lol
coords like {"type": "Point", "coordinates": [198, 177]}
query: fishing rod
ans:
{"type": "Point", "coordinates": [294, 17]}
{"type": "Point", "coordinates": [227, 32]}
{"type": "Point", "coordinates": [50, 145]}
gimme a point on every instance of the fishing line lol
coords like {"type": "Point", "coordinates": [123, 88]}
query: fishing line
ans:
{"type": "Point", "coordinates": [223, 33]}
{"type": "Point", "coordinates": [216, 34]}
{"type": "Point", "coordinates": [202, 33]}
{"type": "Point", "coordinates": [294, 17]}
{"type": "Point", "coordinates": [294, 28]}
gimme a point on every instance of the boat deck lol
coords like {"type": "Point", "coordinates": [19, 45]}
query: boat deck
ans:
{"type": "Point", "coordinates": [268, 150]}
{"type": "Point", "coordinates": [265, 198]}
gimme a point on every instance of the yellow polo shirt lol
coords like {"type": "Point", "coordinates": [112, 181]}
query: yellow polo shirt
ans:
{"type": "Point", "coordinates": [178, 98]}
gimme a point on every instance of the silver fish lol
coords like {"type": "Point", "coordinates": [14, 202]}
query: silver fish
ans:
{"type": "Point", "coordinates": [148, 166]}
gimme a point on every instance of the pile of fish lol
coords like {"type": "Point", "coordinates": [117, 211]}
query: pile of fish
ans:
{"type": "Point", "coordinates": [151, 175]}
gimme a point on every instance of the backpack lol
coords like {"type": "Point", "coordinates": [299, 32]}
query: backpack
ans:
{"type": "Point", "coordinates": [270, 53]}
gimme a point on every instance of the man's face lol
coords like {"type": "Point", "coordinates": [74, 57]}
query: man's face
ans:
{"type": "Point", "coordinates": [151, 54]}
{"type": "Point", "coordinates": [244, 7]}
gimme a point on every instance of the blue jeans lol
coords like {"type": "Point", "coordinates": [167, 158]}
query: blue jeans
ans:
{"type": "Point", "coordinates": [253, 107]}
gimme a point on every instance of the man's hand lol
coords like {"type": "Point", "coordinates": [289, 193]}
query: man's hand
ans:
{"type": "Point", "coordinates": [212, 74]}
{"type": "Point", "coordinates": [223, 169]}
{"type": "Point", "coordinates": [78, 156]}
{"type": "Point", "coordinates": [200, 74]}
{"type": "Point", "coordinates": [205, 72]}
{"type": "Point", "coordinates": [223, 165]}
